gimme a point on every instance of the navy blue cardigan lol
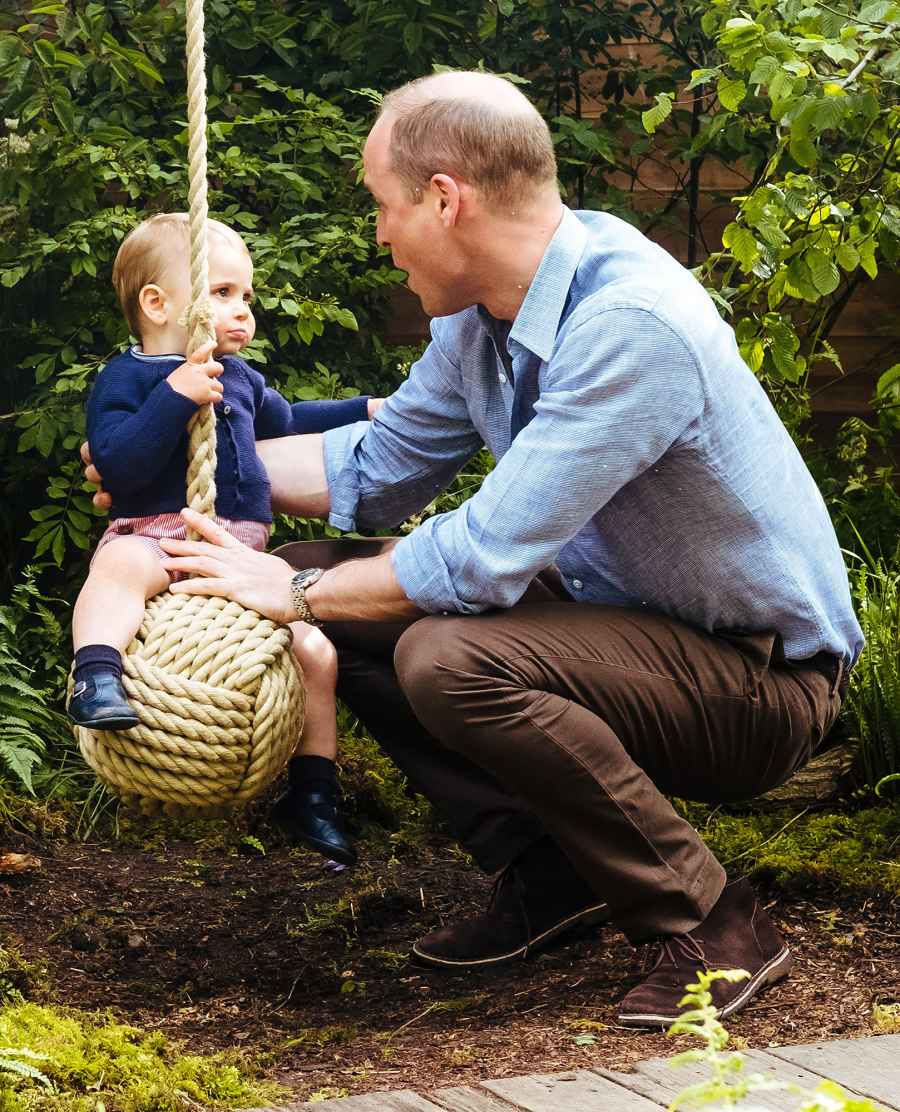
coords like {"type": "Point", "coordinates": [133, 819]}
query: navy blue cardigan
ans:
{"type": "Point", "coordinates": [137, 430]}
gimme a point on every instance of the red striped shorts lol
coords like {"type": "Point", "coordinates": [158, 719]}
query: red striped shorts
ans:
{"type": "Point", "coordinates": [150, 530]}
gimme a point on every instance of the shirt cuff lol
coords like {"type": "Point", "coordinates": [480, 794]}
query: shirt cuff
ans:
{"type": "Point", "coordinates": [339, 446]}
{"type": "Point", "coordinates": [423, 574]}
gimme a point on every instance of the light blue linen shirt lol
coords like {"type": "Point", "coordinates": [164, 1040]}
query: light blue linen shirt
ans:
{"type": "Point", "coordinates": [635, 450]}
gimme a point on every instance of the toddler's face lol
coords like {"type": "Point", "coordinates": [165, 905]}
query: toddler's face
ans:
{"type": "Point", "coordinates": [230, 294]}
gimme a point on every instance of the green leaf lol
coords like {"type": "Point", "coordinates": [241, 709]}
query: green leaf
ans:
{"type": "Point", "coordinates": [19, 761]}
{"type": "Point", "coordinates": [742, 243]}
{"type": "Point", "coordinates": [46, 51]}
{"type": "Point", "coordinates": [803, 151]}
{"type": "Point", "coordinates": [867, 261]}
{"type": "Point", "coordinates": [847, 257]}
{"type": "Point", "coordinates": [64, 111]}
{"type": "Point", "coordinates": [731, 91]}
{"type": "Point", "coordinates": [653, 117]}
{"type": "Point", "coordinates": [823, 271]}
{"type": "Point", "coordinates": [700, 77]}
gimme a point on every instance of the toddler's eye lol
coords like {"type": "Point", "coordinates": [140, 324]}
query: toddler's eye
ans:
{"type": "Point", "coordinates": [222, 291]}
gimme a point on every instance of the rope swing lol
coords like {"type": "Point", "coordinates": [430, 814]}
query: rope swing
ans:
{"type": "Point", "coordinates": [216, 687]}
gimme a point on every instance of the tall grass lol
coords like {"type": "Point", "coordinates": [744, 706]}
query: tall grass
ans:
{"type": "Point", "coordinates": [873, 704]}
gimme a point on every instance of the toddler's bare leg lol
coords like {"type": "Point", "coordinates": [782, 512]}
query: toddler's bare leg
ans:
{"type": "Point", "coordinates": [108, 611]}
{"type": "Point", "coordinates": [318, 659]}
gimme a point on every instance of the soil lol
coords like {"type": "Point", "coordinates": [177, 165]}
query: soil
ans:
{"type": "Point", "coordinates": [310, 968]}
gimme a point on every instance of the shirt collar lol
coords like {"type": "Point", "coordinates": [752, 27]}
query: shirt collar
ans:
{"type": "Point", "coordinates": [537, 320]}
{"type": "Point", "coordinates": [137, 353]}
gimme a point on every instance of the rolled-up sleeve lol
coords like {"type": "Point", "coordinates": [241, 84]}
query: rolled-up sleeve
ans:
{"type": "Point", "coordinates": [381, 472]}
{"type": "Point", "coordinates": [617, 393]}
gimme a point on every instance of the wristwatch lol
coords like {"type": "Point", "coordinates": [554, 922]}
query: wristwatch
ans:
{"type": "Point", "coordinates": [299, 584]}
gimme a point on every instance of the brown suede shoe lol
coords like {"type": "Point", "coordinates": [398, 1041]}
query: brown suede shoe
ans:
{"type": "Point", "coordinates": [531, 904]}
{"type": "Point", "coordinates": [737, 934]}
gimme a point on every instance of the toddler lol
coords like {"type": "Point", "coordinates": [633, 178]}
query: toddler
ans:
{"type": "Point", "coordinates": [137, 422]}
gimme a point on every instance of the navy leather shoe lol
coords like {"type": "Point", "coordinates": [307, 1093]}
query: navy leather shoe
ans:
{"type": "Point", "coordinates": [311, 816]}
{"type": "Point", "coordinates": [100, 703]}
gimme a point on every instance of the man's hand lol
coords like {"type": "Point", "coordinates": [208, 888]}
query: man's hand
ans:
{"type": "Point", "coordinates": [101, 499]}
{"type": "Point", "coordinates": [257, 580]}
{"type": "Point", "coordinates": [374, 404]}
{"type": "Point", "coordinates": [198, 377]}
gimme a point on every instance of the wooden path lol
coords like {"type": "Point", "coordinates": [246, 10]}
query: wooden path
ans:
{"type": "Point", "coordinates": [864, 1067]}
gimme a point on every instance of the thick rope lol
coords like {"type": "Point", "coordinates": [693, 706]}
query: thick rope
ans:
{"type": "Point", "coordinates": [216, 687]}
{"type": "Point", "coordinates": [201, 472]}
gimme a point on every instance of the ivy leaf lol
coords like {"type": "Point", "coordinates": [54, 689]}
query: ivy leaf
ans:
{"type": "Point", "coordinates": [731, 91]}
{"type": "Point", "coordinates": [653, 117]}
{"type": "Point", "coordinates": [825, 275]}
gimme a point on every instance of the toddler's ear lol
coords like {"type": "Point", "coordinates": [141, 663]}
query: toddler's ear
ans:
{"type": "Point", "coordinates": [153, 303]}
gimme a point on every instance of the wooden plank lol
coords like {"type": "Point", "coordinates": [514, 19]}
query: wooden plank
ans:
{"type": "Point", "coordinates": [868, 1066]}
{"type": "Point", "coordinates": [659, 1080]}
{"type": "Point", "coordinates": [463, 1099]}
{"type": "Point", "coordinates": [582, 1089]}
{"type": "Point", "coordinates": [404, 1100]}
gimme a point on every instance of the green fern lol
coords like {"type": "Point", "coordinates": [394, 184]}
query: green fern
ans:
{"type": "Point", "coordinates": [26, 720]}
{"type": "Point", "coordinates": [11, 1063]}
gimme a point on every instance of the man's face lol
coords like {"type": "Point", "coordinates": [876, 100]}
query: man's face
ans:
{"type": "Point", "coordinates": [420, 242]}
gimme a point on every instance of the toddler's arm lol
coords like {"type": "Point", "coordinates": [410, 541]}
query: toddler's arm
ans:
{"type": "Point", "coordinates": [276, 416]}
{"type": "Point", "coordinates": [135, 424]}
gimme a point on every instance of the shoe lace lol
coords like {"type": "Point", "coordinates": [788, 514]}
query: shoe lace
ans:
{"type": "Point", "coordinates": [670, 950]}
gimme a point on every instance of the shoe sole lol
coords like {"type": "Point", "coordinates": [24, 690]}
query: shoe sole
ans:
{"type": "Point", "coordinates": [329, 851]}
{"type": "Point", "coordinates": [112, 724]}
{"type": "Point", "coordinates": [588, 917]}
{"type": "Point", "coordinates": [775, 970]}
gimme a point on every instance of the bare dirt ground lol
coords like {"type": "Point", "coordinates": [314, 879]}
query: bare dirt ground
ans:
{"type": "Point", "coordinates": [310, 970]}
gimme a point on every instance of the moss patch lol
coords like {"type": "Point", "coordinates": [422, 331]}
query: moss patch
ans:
{"type": "Point", "coordinates": [856, 851]}
{"type": "Point", "coordinates": [94, 1062]}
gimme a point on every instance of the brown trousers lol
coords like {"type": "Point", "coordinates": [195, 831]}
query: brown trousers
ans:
{"type": "Point", "coordinates": [576, 721]}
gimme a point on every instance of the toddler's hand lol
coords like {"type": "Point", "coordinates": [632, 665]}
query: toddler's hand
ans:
{"type": "Point", "coordinates": [374, 405]}
{"type": "Point", "coordinates": [198, 377]}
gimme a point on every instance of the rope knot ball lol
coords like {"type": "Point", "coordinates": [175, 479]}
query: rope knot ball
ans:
{"type": "Point", "coordinates": [220, 701]}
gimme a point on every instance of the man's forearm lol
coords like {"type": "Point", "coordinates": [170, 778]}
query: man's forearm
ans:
{"type": "Point", "coordinates": [296, 470]}
{"type": "Point", "coordinates": [361, 590]}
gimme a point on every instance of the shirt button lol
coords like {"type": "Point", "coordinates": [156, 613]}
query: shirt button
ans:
{"type": "Point", "coordinates": [226, 410]}
{"type": "Point", "coordinates": [501, 377]}
{"type": "Point", "coordinates": [577, 584]}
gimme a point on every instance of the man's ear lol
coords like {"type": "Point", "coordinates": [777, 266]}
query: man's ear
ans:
{"type": "Point", "coordinates": [449, 196]}
{"type": "Point", "coordinates": [154, 304]}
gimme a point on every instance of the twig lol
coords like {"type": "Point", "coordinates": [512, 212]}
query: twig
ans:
{"type": "Point", "coordinates": [766, 841]}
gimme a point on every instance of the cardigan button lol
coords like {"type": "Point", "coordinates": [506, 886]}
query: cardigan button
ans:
{"type": "Point", "coordinates": [226, 410]}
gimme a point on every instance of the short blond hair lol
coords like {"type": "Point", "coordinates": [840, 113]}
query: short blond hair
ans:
{"type": "Point", "coordinates": [146, 255]}
{"type": "Point", "coordinates": [499, 144]}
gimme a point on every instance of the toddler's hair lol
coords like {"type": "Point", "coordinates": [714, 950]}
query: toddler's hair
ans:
{"type": "Point", "coordinates": [147, 253]}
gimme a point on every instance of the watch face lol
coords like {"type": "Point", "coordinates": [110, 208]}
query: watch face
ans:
{"type": "Point", "coordinates": [307, 576]}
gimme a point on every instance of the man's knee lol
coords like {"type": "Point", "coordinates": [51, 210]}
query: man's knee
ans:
{"type": "Point", "coordinates": [438, 662]}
